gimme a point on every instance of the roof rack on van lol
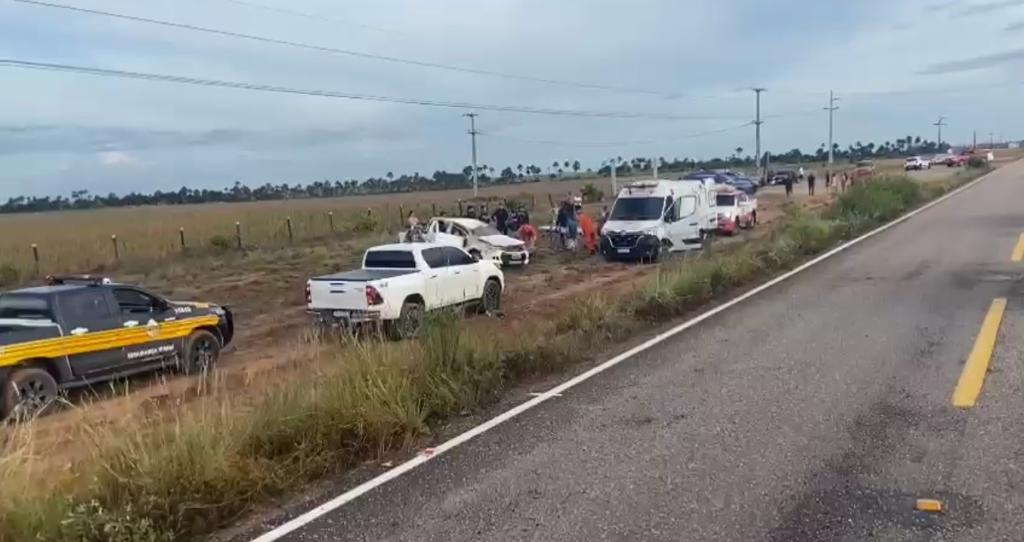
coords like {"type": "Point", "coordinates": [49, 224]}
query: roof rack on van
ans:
{"type": "Point", "coordinates": [88, 280]}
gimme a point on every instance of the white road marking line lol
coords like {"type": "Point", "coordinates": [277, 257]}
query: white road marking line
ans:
{"type": "Point", "coordinates": [545, 394]}
{"type": "Point", "coordinates": [444, 447]}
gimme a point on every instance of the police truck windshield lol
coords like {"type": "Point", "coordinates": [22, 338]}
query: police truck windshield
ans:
{"type": "Point", "coordinates": [638, 209]}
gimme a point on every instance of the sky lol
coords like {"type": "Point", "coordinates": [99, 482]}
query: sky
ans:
{"type": "Point", "coordinates": [685, 67]}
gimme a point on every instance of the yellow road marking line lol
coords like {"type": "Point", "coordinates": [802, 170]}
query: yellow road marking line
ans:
{"type": "Point", "coordinates": [968, 388]}
{"type": "Point", "coordinates": [1018, 251]}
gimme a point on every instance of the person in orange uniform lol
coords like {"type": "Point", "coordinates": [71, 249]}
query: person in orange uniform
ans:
{"type": "Point", "coordinates": [588, 231]}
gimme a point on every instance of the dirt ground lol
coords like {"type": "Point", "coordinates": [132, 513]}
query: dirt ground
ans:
{"type": "Point", "coordinates": [266, 293]}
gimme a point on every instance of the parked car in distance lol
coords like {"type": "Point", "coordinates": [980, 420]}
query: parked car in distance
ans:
{"type": "Point", "coordinates": [744, 184]}
{"type": "Point", "coordinates": [863, 168]}
{"type": "Point", "coordinates": [955, 160]}
{"type": "Point", "coordinates": [81, 330]}
{"type": "Point", "coordinates": [480, 239]}
{"type": "Point", "coordinates": [916, 163]}
{"type": "Point", "coordinates": [397, 284]}
{"type": "Point", "coordinates": [736, 210]}
{"type": "Point", "coordinates": [780, 176]}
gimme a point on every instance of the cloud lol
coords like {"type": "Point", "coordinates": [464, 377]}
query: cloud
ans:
{"type": "Point", "coordinates": [990, 7]}
{"type": "Point", "coordinates": [56, 125]}
{"type": "Point", "coordinates": [974, 63]}
{"type": "Point", "coordinates": [1014, 27]}
{"type": "Point", "coordinates": [116, 159]}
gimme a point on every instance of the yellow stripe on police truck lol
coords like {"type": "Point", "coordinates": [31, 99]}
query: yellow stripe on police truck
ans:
{"type": "Point", "coordinates": [98, 341]}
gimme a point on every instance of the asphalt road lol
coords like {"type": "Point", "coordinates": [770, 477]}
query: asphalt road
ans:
{"type": "Point", "coordinates": [819, 410]}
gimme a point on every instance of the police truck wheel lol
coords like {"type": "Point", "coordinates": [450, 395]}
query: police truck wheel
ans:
{"type": "Point", "coordinates": [408, 324]}
{"type": "Point", "coordinates": [28, 392]}
{"type": "Point", "coordinates": [202, 349]}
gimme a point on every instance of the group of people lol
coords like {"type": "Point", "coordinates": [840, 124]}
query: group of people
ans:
{"type": "Point", "coordinates": [834, 182]}
{"type": "Point", "coordinates": [572, 224]}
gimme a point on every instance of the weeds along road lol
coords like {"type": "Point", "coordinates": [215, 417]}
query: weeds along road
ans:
{"type": "Point", "coordinates": [818, 410]}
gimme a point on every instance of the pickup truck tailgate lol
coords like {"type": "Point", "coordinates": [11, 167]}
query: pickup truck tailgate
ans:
{"type": "Point", "coordinates": [347, 291]}
{"type": "Point", "coordinates": [337, 294]}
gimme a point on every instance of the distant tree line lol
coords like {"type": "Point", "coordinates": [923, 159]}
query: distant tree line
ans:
{"type": "Point", "coordinates": [443, 180]}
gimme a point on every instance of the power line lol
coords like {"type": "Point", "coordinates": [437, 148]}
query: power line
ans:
{"type": "Point", "coordinates": [168, 78]}
{"type": "Point", "coordinates": [347, 52]}
{"type": "Point", "coordinates": [619, 143]}
{"type": "Point", "coordinates": [315, 16]}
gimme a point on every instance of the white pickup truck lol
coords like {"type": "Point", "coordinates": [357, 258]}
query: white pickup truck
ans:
{"type": "Point", "coordinates": [399, 283]}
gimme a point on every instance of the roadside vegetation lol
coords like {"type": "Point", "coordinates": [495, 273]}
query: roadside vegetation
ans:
{"type": "Point", "coordinates": [181, 476]}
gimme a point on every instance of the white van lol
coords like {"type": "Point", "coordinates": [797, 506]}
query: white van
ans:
{"type": "Point", "coordinates": [652, 217]}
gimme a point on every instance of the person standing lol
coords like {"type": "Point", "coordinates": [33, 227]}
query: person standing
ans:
{"type": "Point", "coordinates": [588, 230]}
{"type": "Point", "coordinates": [528, 235]}
{"type": "Point", "coordinates": [501, 218]}
{"type": "Point", "coordinates": [828, 180]}
{"type": "Point", "coordinates": [470, 211]}
{"type": "Point", "coordinates": [788, 183]}
{"type": "Point", "coordinates": [842, 182]}
{"type": "Point", "coordinates": [810, 183]}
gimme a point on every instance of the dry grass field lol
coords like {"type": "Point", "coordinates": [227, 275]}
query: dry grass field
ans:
{"type": "Point", "coordinates": [79, 241]}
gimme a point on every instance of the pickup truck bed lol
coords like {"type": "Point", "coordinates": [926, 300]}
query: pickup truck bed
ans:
{"type": "Point", "coordinates": [365, 275]}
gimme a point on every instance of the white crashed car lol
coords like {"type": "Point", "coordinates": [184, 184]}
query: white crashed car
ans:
{"type": "Point", "coordinates": [480, 239]}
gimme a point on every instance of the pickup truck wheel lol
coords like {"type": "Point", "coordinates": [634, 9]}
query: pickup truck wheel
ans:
{"type": "Point", "coordinates": [490, 301]}
{"type": "Point", "coordinates": [28, 393]}
{"type": "Point", "coordinates": [408, 324]}
{"type": "Point", "coordinates": [202, 349]}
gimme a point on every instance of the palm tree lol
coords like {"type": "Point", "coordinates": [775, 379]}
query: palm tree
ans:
{"type": "Point", "coordinates": [519, 168]}
{"type": "Point", "coordinates": [390, 176]}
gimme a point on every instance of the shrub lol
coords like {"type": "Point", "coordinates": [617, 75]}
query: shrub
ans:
{"type": "Point", "coordinates": [878, 200]}
{"type": "Point", "coordinates": [9, 275]}
{"type": "Point", "coordinates": [365, 224]}
{"type": "Point", "coordinates": [591, 193]}
{"type": "Point", "coordinates": [222, 242]}
{"type": "Point", "coordinates": [976, 162]}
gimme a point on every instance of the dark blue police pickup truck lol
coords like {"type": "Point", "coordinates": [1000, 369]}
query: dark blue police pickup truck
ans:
{"type": "Point", "coordinates": [81, 330]}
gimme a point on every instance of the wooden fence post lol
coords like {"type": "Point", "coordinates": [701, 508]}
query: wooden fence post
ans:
{"type": "Point", "coordinates": [401, 216]}
{"type": "Point", "coordinates": [35, 256]}
{"type": "Point", "coordinates": [181, 237]}
{"type": "Point", "coordinates": [238, 234]}
{"type": "Point", "coordinates": [433, 210]}
{"type": "Point", "coordinates": [113, 240]}
{"type": "Point", "coordinates": [330, 220]}
{"type": "Point", "coordinates": [461, 212]}
{"type": "Point", "coordinates": [288, 221]}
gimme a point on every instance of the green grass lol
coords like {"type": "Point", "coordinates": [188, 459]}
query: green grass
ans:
{"type": "Point", "coordinates": [183, 477]}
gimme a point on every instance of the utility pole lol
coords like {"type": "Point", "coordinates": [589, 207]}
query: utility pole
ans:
{"type": "Point", "coordinates": [757, 131]}
{"type": "Point", "coordinates": [654, 168]}
{"type": "Point", "coordinates": [614, 164]}
{"type": "Point", "coordinates": [991, 140]}
{"type": "Point", "coordinates": [473, 133]}
{"type": "Point", "coordinates": [975, 144]}
{"type": "Point", "coordinates": [832, 107]}
{"type": "Point", "coordinates": [939, 124]}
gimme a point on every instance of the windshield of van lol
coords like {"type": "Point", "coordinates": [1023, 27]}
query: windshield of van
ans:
{"type": "Point", "coordinates": [638, 209]}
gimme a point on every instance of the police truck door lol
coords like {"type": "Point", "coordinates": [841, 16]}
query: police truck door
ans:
{"type": "Point", "coordinates": [144, 313]}
{"type": "Point", "coordinates": [87, 313]}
